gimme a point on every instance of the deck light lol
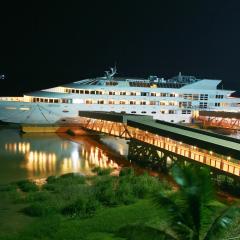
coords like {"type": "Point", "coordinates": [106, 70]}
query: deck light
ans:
{"type": "Point", "coordinates": [211, 152]}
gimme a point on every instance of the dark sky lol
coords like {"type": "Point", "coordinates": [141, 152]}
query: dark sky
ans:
{"type": "Point", "coordinates": [47, 43]}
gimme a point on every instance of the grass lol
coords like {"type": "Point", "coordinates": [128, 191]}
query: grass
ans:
{"type": "Point", "coordinates": [11, 219]}
{"type": "Point", "coordinates": [106, 222]}
{"type": "Point", "coordinates": [75, 207]}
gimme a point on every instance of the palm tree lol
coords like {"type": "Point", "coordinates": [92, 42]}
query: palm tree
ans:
{"type": "Point", "coordinates": [193, 212]}
{"type": "Point", "coordinates": [189, 213]}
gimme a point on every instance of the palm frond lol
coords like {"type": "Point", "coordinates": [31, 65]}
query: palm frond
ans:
{"type": "Point", "coordinates": [224, 221]}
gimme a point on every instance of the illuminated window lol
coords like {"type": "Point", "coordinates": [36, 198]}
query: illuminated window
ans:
{"type": "Point", "coordinates": [10, 108]}
{"type": "Point", "coordinates": [111, 102]}
{"type": "Point", "coordinates": [88, 101]}
{"type": "Point", "coordinates": [195, 97]}
{"type": "Point", "coordinates": [153, 103]}
{"type": "Point", "coordinates": [203, 96]}
{"type": "Point", "coordinates": [203, 105]}
{"type": "Point", "coordinates": [144, 93]}
{"type": "Point", "coordinates": [24, 109]}
{"type": "Point", "coordinates": [219, 96]}
{"type": "Point", "coordinates": [122, 102]}
{"type": "Point", "coordinates": [186, 111]}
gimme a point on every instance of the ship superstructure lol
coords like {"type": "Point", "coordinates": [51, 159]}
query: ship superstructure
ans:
{"type": "Point", "coordinates": [178, 99]}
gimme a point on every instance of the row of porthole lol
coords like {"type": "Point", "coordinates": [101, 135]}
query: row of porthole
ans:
{"type": "Point", "coordinates": [143, 112]}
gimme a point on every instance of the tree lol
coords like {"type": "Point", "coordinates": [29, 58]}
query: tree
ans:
{"type": "Point", "coordinates": [191, 212]}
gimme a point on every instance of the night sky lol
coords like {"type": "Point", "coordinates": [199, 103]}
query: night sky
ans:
{"type": "Point", "coordinates": [48, 43]}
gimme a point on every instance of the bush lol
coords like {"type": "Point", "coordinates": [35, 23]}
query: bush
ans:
{"type": "Point", "coordinates": [72, 178]}
{"type": "Point", "coordinates": [127, 171]}
{"type": "Point", "coordinates": [104, 190]}
{"type": "Point", "coordinates": [102, 171]}
{"type": "Point", "coordinates": [59, 184]}
{"type": "Point", "coordinates": [27, 186]}
{"type": "Point", "coordinates": [52, 179]}
{"type": "Point", "coordinates": [144, 185]}
{"type": "Point", "coordinates": [39, 209]}
{"type": "Point", "coordinates": [38, 196]}
{"type": "Point", "coordinates": [124, 193]}
{"type": "Point", "coordinates": [73, 192]}
{"type": "Point", "coordinates": [84, 207]}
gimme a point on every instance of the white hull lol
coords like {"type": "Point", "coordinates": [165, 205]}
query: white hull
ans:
{"type": "Point", "coordinates": [46, 113]}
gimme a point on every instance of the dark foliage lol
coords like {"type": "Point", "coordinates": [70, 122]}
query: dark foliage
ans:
{"type": "Point", "coordinates": [27, 186]}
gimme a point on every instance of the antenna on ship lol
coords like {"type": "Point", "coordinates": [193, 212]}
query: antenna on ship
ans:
{"type": "Point", "coordinates": [179, 76]}
{"type": "Point", "coordinates": [109, 75]}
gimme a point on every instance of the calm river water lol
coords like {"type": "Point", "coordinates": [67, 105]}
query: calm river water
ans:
{"type": "Point", "coordinates": [41, 155]}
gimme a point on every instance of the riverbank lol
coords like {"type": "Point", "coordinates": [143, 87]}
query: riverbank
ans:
{"type": "Point", "coordinates": [74, 206]}
{"type": "Point", "coordinates": [99, 207]}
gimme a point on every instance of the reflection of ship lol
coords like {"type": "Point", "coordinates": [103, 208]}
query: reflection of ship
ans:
{"type": "Point", "coordinates": [65, 156]}
{"type": "Point", "coordinates": [176, 100]}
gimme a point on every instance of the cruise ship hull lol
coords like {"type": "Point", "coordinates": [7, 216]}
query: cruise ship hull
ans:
{"type": "Point", "coordinates": [61, 114]}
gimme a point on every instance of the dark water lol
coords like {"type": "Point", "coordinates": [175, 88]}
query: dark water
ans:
{"type": "Point", "coordinates": [41, 155]}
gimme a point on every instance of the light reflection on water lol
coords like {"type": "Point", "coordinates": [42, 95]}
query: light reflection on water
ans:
{"type": "Point", "coordinates": [42, 155]}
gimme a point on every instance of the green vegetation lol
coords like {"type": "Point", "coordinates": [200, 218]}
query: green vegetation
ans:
{"type": "Point", "coordinates": [128, 206]}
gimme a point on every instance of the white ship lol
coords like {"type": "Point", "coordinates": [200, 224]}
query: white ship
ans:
{"type": "Point", "coordinates": [178, 99]}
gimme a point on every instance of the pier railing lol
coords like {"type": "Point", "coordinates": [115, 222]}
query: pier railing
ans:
{"type": "Point", "coordinates": [120, 129]}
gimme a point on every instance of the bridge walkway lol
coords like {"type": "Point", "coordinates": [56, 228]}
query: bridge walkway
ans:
{"type": "Point", "coordinates": [217, 151]}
